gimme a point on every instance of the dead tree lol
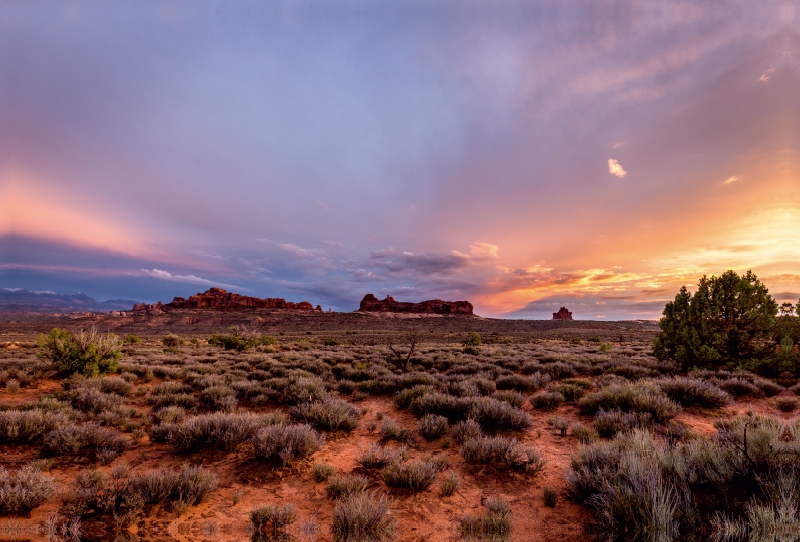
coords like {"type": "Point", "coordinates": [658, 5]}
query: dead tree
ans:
{"type": "Point", "coordinates": [403, 360]}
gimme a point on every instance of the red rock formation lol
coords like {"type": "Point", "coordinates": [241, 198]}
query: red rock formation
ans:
{"type": "Point", "coordinates": [562, 314]}
{"type": "Point", "coordinates": [217, 298]}
{"type": "Point", "coordinates": [370, 303]}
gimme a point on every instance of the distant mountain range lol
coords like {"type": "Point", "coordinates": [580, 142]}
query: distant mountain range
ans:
{"type": "Point", "coordinates": [19, 299]}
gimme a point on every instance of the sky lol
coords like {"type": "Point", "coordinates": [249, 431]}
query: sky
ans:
{"type": "Point", "coordinates": [520, 155]}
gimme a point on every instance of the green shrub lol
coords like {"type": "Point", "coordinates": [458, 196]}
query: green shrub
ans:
{"type": "Point", "coordinates": [405, 397]}
{"type": "Point", "coordinates": [88, 353]}
{"type": "Point", "coordinates": [416, 476]}
{"type": "Point", "coordinates": [286, 443]}
{"type": "Point", "coordinates": [131, 339]}
{"type": "Point", "coordinates": [363, 516]}
{"type": "Point", "coordinates": [172, 341]}
{"type": "Point", "coordinates": [571, 392]}
{"type": "Point", "coordinates": [473, 339]}
{"type": "Point", "coordinates": [344, 485]}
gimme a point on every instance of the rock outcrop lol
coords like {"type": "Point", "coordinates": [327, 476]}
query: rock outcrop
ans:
{"type": "Point", "coordinates": [370, 303]}
{"type": "Point", "coordinates": [217, 298]}
{"type": "Point", "coordinates": [562, 314]}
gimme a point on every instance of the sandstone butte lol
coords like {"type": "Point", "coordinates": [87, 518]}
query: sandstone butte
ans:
{"type": "Point", "coordinates": [217, 298]}
{"type": "Point", "coordinates": [370, 303]}
{"type": "Point", "coordinates": [562, 314]}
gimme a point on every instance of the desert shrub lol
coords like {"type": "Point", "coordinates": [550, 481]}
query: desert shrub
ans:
{"type": "Point", "coordinates": [786, 404]}
{"type": "Point", "coordinates": [188, 486]}
{"type": "Point", "coordinates": [466, 430]}
{"type": "Point", "coordinates": [391, 430]}
{"type": "Point", "coordinates": [24, 490]}
{"type": "Point", "coordinates": [494, 524]}
{"type": "Point", "coordinates": [496, 415]}
{"type": "Point", "coordinates": [432, 427]}
{"type": "Point", "coordinates": [688, 391]}
{"type": "Point", "coordinates": [171, 341]}
{"type": "Point", "coordinates": [549, 497]}
{"type": "Point", "coordinates": [89, 353]}
{"type": "Point", "coordinates": [585, 435]}
{"type": "Point", "coordinates": [631, 398]}
{"type": "Point", "coordinates": [363, 516]}
{"type": "Point", "coordinates": [344, 485]}
{"type": "Point", "coordinates": [93, 401]}
{"type": "Point", "coordinates": [609, 423]}
{"type": "Point", "coordinates": [518, 383]}
{"type": "Point", "coordinates": [452, 408]}
{"type": "Point", "coordinates": [218, 430]}
{"type": "Point", "coordinates": [116, 386]}
{"type": "Point", "coordinates": [559, 424]}
{"type": "Point", "coordinates": [73, 440]}
{"type": "Point", "coordinates": [26, 426]}
{"type": "Point", "coordinates": [170, 414]}
{"type": "Point", "coordinates": [502, 451]}
{"type": "Point", "coordinates": [304, 390]}
{"type": "Point", "coordinates": [571, 392]}
{"type": "Point", "coordinates": [183, 400]}
{"type": "Point", "coordinates": [322, 471]}
{"type": "Point", "coordinates": [377, 456]}
{"type": "Point", "coordinates": [473, 339]}
{"type": "Point", "coordinates": [767, 387]}
{"type": "Point", "coordinates": [405, 397]}
{"type": "Point", "coordinates": [272, 519]}
{"type": "Point", "coordinates": [237, 340]}
{"type": "Point", "coordinates": [219, 398]}
{"type": "Point", "coordinates": [449, 485]}
{"type": "Point", "coordinates": [286, 443]}
{"type": "Point", "coordinates": [416, 476]}
{"type": "Point", "coordinates": [131, 339]}
{"type": "Point", "coordinates": [512, 397]}
{"type": "Point", "coordinates": [330, 415]}
{"type": "Point", "coordinates": [547, 400]}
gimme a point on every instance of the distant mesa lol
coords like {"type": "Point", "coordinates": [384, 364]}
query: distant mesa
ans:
{"type": "Point", "coordinates": [217, 298]}
{"type": "Point", "coordinates": [370, 303]}
{"type": "Point", "coordinates": [28, 301]}
{"type": "Point", "coordinates": [562, 314]}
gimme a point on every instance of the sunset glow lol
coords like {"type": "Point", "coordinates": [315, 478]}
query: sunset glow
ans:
{"type": "Point", "coordinates": [519, 157]}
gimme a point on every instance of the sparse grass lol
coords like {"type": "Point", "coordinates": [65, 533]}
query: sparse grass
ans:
{"type": "Point", "coordinates": [322, 471]}
{"type": "Point", "coordinates": [272, 519]}
{"type": "Point", "coordinates": [449, 485]}
{"type": "Point", "coordinates": [363, 516]}
{"type": "Point", "coordinates": [377, 456]}
{"type": "Point", "coordinates": [493, 524]}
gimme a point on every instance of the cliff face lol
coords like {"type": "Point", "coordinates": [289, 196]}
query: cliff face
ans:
{"type": "Point", "coordinates": [217, 298]}
{"type": "Point", "coordinates": [370, 303]}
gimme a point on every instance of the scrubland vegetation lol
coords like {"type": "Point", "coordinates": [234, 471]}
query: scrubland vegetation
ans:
{"type": "Point", "coordinates": [473, 436]}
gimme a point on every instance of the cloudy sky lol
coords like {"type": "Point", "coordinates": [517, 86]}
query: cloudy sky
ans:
{"type": "Point", "coordinates": [521, 155]}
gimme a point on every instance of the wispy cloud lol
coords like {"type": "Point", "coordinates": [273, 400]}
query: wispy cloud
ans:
{"type": "Point", "coordinates": [615, 168]}
{"type": "Point", "coordinates": [191, 279]}
{"type": "Point", "coordinates": [732, 179]}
